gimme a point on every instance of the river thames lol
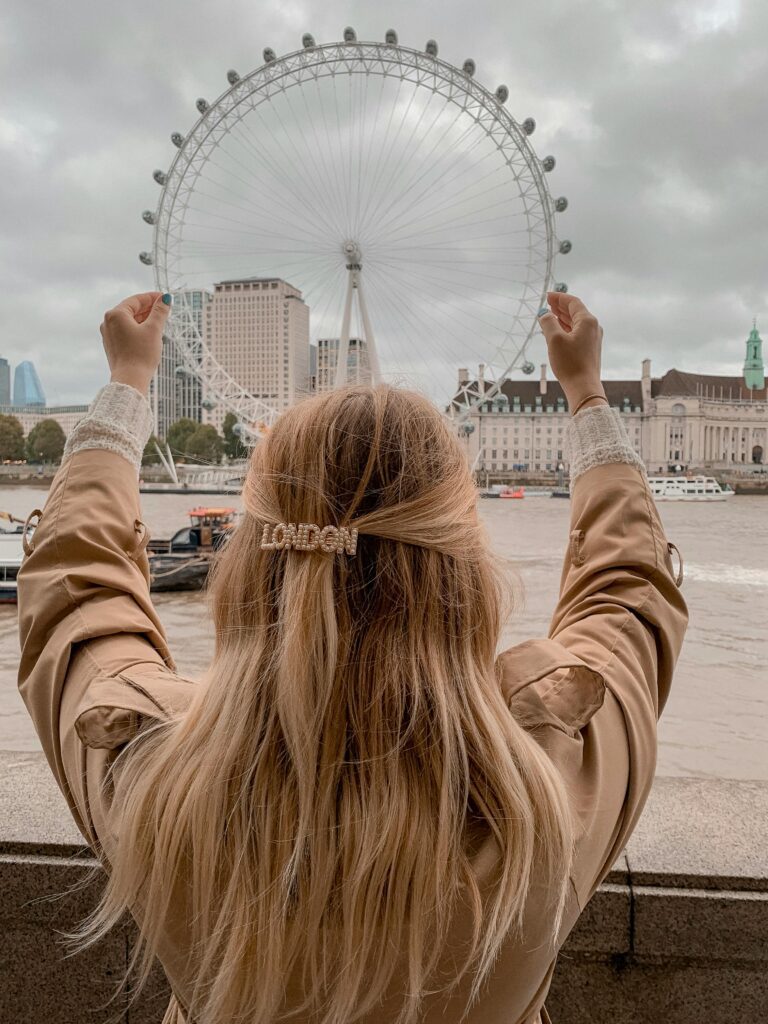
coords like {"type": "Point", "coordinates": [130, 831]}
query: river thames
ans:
{"type": "Point", "coordinates": [715, 722]}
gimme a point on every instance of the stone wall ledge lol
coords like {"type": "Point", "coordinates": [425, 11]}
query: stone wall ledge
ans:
{"type": "Point", "coordinates": [677, 932]}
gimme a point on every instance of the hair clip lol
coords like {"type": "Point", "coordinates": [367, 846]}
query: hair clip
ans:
{"type": "Point", "coordinates": [309, 537]}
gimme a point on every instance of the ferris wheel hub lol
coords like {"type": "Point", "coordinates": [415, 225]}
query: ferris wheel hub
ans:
{"type": "Point", "coordinates": [353, 255]}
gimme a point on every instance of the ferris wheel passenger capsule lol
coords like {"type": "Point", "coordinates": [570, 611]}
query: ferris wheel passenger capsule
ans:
{"type": "Point", "coordinates": [390, 37]}
{"type": "Point", "coordinates": [232, 77]}
{"type": "Point", "coordinates": [146, 258]}
{"type": "Point", "coordinates": [308, 41]}
{"type": "Point", "coordinates": [561, 204]}
{"type": "Point", "coordinates": [502, 94]}
{"type": "Point", "coordinates": [208, 403]}
{"type": "Point", "coordinates": [159, 177]}
{"type": "Point", "coordinates": [561, 286]}
{"type": "Point", "coordinates": [527, 366]}
{"type": "Point", "coordinates": [469, 67]}
{"type": "Point", "coordinates": [431, 48]}
{"type": "Point", "coordinates": [350, 36]}
{"type": "Point", "coordinates": [565, 247]}
{"type": "Point", "coordinates": [269, 56]}
{"type": "Point", "coordinates": [529, 126]}
{"type": "Point", "coordinates": [548, 163]}
{"type": "Point", "coordinates": [148, 216]}
{"type": "Point", "coordinates": [202, 105]}
{"type": "Point", "coordinates": [177, 139]}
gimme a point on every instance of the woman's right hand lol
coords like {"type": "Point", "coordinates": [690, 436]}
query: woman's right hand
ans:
{"type": "Point", "coordinates": [574, 339]}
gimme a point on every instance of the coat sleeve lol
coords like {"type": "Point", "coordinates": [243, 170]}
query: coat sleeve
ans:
{"type": "Point", "coordinates": [94, 662]}
{"type": "Point", "coordinates": [592, 691]}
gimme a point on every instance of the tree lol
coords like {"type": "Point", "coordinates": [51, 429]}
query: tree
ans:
{"type": "Point", "coordinates": [150, 456]}
{"type": "Point", "coordinates": [179, 434]}
{"type": "Point", "coordinates": [233, 447]}
{"type": "Point", "coordinates": [11, 438]}
{"type": "Point", "coordinates": [45, 442]}
{"type": "Point", "coordinates": [206, 444]}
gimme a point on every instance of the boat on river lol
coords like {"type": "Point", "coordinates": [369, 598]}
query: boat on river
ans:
{"type": "Point", "coordinates": [11, 555]}
{"type": "Point", "coordinates": [688, 488]}
{"type": "Point", "coordinates": [182, 562]}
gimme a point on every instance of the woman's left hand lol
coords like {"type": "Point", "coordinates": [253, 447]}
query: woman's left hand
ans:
{"type": "Point", "coordinates": [132, 333]}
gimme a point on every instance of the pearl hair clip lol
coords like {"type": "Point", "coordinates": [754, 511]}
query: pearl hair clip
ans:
{"type": "Point", "coordinates": [309, 537]}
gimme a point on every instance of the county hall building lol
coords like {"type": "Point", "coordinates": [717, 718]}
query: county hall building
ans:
{"type": "Point", "coordinates": [678, 422]}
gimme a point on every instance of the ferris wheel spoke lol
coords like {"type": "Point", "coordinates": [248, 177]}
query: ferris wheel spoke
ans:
{"type": "Point", "coordinates": [330, 184]}
{"type": "Point", "coordinates": [319, 203]}
{"type": "Point", "coordinates": [459, 201]}
{"type": "Point", "coordinates": [387, 144]}
{"type": "Point", "coordinates": [391, 194]}
{"type": "Point", "coordinates": [417, 241]}
{"type": "Point", "coordinates": [388, 187]}
{"type": "Point", "coordinates": [325, 194]}
{"type": "Point", "coordinates": [440, 286]}
{"type": "Point", "coordinates": [312, 216]}
{"type": "Point", "coordinates": [338, 188]}
{"type": "Point", "coordinates": [450, 306]}
{"type": "Point", "coordinates": [279, 177]}
{"type": "Point", "coordinates": [416, 327]}
{"type": "Point", "coordinates": [360, 150]}
{"type": "Point", "coordinates": [415, 265]}
{"type": "Point", "coordinates": [437, 175]}
{"type": "Point", "coordinates": [407, 221]}
{"type": "Point", "coordinates": [246, 205]}
{"type": "Point", "coordinates": [430, 170]}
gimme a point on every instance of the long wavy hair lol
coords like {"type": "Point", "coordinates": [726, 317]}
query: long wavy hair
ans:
{"type": "Point", "coordinates": [349, 745]}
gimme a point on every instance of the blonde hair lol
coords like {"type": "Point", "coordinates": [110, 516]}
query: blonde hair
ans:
{"type": "Point", "coordinates": [349, 743]}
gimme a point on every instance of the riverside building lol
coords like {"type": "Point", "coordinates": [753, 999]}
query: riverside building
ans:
{"type": "Point", "coordinates": [175, 391]}
{"type": "Point", "coordinates": [30, 415]}
{"type": "Point", "coordinates": [257, 329]}
{"type": "Point", "coordinates": [679, 422]}
{"type": "Point", "coordinates": [358, 365]}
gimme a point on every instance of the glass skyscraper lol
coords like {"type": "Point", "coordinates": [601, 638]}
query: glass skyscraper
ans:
{"type": "Point", "coordinates": [27, 389]}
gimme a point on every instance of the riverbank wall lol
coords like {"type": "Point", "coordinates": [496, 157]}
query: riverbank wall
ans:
{"type": "Point", "coordinates": [677, 932]}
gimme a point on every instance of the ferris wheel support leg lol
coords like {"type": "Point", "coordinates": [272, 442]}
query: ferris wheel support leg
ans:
{"type": "Point", "coordinates": [341, 359]}
{"type": "Point", "coordinates": [370, 343]}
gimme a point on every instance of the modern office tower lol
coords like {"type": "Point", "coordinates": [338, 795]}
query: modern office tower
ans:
{"type": "Point", "coordinates": [358, 368]}
{"type": "Point", "coordinates": [5, 382]}
{"type": "Point", "coordinates": [258, 331]}
{"type": "Point", "coordinates": [27, 389]}
{"type": "Point", "coordinates": [175, 391]}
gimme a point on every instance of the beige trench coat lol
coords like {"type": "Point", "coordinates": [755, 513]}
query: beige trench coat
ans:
{"type": "Point", "coordinates": [95, 663]}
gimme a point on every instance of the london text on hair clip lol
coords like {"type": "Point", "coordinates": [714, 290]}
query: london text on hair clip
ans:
{"type": "Point", "coordinates": [309, 537]}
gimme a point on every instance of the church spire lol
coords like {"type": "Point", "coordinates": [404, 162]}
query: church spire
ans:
{"type": "Point", "coordinates": [754, 373]}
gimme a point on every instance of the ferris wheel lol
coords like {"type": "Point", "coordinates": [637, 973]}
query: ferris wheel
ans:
{"type": "Point", "coordinates": [395, 192]}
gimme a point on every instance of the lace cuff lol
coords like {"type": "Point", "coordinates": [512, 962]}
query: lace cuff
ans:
{"type": "Point", "coordinates": [119, 420]}
{"type": "Point", "coordinates": [596, 435]}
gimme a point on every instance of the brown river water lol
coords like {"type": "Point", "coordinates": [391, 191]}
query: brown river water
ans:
{"type": "Point", "coordinates": [715, 723]}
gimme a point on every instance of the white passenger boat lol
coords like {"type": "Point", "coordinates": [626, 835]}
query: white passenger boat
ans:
{"type": "Point", "coordinates": [688, 488]}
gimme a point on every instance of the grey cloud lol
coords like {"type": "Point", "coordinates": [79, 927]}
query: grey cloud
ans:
{"type": "Point", "coordinates": [655, 113]}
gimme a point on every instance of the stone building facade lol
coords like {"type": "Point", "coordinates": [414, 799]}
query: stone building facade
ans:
{"type": "Point", "coordinates": [680, 421]}
{"type": "Point", "coordinates": [30, 415]}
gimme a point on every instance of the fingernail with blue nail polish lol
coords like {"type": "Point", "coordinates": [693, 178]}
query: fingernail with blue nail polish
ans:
{"type": "Point", "coordinates": [167, 298]}
{"type": "Point", "coordinates": [543, 311]}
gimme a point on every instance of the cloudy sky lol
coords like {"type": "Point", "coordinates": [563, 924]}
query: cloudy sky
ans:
{"type": "Point", "coordinates": [653, 111]}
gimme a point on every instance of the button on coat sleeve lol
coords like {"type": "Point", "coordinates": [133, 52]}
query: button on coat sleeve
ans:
{"type": "Point", "coordinates": [94, 661]}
